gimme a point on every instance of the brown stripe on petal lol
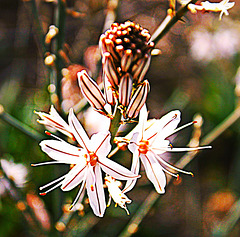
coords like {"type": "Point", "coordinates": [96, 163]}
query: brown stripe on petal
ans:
{"type": "Point", "coordinates": [66, 153]}
{"type": "Point", "coordinates": [126, 60]}
{"type": "Point", "coordinates": [150, 164]}
{"type": "Point", "coordinates": [110, 70]}
{"type": "Point", "coordinates": [138, 100]}
{"type": "Point", "coordinates": [74, 178]}
{"type": "Point", "coordinates": [125, 89]}
{"type": "Point", "coordinates": [91, 91]}
{"type": "Point", "coordinates": [138, 69]}
{"type": "Point", "coordinates": [108, 91]}
{"type": "Point", "coordinates": [144, 69]}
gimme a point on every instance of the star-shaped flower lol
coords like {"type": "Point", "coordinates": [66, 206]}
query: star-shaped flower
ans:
{"type": "Point", "coordinates": [148, 142]}
{"type": "Point", "coordinates": [88, 160]}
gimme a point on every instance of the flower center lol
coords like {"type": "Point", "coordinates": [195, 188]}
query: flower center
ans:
{"type": "Point", "coordinates": [143, 146]}
{"type": "Point", "coordinates": [93, 159]}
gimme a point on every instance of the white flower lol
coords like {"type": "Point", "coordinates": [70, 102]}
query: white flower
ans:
{"type": "Point", "coordinates": [54, 121]}
{"type": "Point", "coordinates": [116, 194]}
{"type": "Point", "coordinates": [89, 160]}
{"type": "Point", "coordinates": [16, 172]}
{"type": "Point", "coordinates": [149, 142]}
{"type": "Point", "coordinates": [221, 7]}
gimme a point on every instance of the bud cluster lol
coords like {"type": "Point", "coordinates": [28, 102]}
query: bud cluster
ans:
{"type": "Point", "coordinates": [126, 55]}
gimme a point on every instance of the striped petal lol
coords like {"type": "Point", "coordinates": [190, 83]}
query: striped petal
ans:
{"type": "Point", "coordinates": [61, 151]}
{"type": "Point", "coordinates": [154, 172]}
{"type": "Point", "coordinates": [92, 92]}
{"type": "Point", "coordinates": [74, 177]}
{"type": "Point", "coordinates": [135, 169]}
{"type": "Point", "coordinates": [78, 131]}
{"type": "Point", "coordinates": [100, 143]}
{"type": "Point", "coordinates": [126, 60]}
{"type": "Point", "coordinates": [54, 121]}
{"type": "Point", "coordinates": [140, 68]}
{"type": "Point", "coordinates": [94, 185]}
{"type": "Point", "coordinates": [110, 70]}
{"type": "Point", "coordinates": [138, 100]}
{"type": "Point", "coordinates": [125, 89]}
{"type": "Point", "coordinates": [108, 91]}
{"type": "Point", "coordinates": [163, 127]}
{"type": "Point", "coordinates": [115, 170]}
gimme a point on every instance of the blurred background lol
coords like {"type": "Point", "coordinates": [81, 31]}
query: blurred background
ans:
{"type": "Point", "coordinates": [196, 72]}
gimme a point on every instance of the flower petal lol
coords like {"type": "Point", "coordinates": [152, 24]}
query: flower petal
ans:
{"type": "Point", "coordinates": [110, 69]}
{"type": "Point", "coordinates": [100, 143]}
{"type": "Point", "coordinates": [138, 100]}
{"type": "Point", "coordinates": [154, 172]}
{"type": "Point", "coordinates": [163, 127]}
{"type": "Point", "coordinates": [92, 92]}
{"type": "Point", "coordinates": [53, 120]}
{"type": "Point", "coordinates": [115, 170]}
{"type": "Point", "coordinates": [78, 131]}
{"type": "Point", "coordinates": [135, 169]}
{"type": "Point", "coordinates": [125, 89]}
{"type": "Point", "coordinates": [61, 151]}
{"type": "Point", "coordinates": [133, 144]}
{"type": "Point", "coordinates": [74, 177]}
{"type": "Point", "coordinates": [94, 185]}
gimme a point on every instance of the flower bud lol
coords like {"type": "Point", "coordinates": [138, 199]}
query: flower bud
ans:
{"type": "Point", "coordinates": [137, 101]}
{"type": "Point", "coordinates": [92, 92]}
{"type": "Point", "coordinates": [125, 89]}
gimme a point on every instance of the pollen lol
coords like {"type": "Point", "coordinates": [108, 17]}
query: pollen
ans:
{"type": "Point", "coordinates": [93, 159]}
{"type": "Point", "coordinates": [143, 146]}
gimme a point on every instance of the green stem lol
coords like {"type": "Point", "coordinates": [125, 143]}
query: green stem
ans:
{"type": "Point", "coordinates": [168, 23]}
{"type": "Point", "coordinates": [19, 125]}
{"type": "Point", "coordinates": [39, 33]}
{"type": "Point", "coordinates": [115, 124]}
{"type": "Point", "coordinates": [60, 16]}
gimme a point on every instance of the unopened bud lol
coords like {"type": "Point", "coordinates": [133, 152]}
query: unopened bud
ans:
{"type": "Point", "coordinates": [92, 92]}
{"type": "Point", "coordinates": [125, 89]}
{"type": "Point", "coordinates": [138, 100]}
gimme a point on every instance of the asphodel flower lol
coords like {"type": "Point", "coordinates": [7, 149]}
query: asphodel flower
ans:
{"type": "Point", "coordinates": [116, 194]}
{"type": "Point", "coordinates": [148, 142]}
{"type": "Point", "coordinates": [221, 7]}
{"type": "Point", "coordinates": [54, 122]}
{"type": "Point", "coordinates": [87, 160]}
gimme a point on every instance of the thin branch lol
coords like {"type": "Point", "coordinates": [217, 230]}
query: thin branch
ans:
{"type": "Point", "coordinates": [19, 125]}
{"type": "Point", "coordinates": [169, 22]}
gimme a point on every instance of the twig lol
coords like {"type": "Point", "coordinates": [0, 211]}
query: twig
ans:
{"type": "Point", "coordinates": [19, 125]}
{"type": "Point", "coordinates": [168, 22]}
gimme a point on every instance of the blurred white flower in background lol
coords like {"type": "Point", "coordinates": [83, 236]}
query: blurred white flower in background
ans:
{"type": "Point", "coordinates": [16, 172]}
{"type": "Point", "coordinates": [207, 45]}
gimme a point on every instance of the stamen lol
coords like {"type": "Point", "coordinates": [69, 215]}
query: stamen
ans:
{"type": "Point", "coordinates": [170, 173]}
{"type": "Point", "coordinates": [46, 163]}
{"type": "Point", "coordinates": [54, 136]}
{"type": "Point", "coordinates": [53, 182]}
{"type": "Point", "coordinates": [182, 127]}
{"type": "Point", "coordinates": [172, 167]}
{"type": "Point", "coordinates": [78, 195]}
{"type": "Point", "coordinates": [49, 190]}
